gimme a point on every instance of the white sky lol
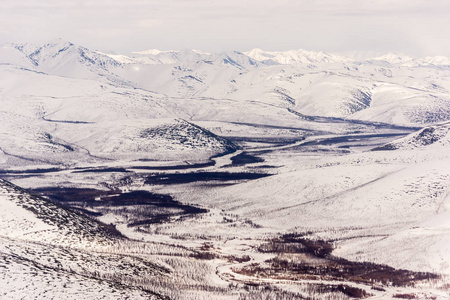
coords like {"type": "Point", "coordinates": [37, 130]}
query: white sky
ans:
{"type": "Point", "coordinates": [416, 27]}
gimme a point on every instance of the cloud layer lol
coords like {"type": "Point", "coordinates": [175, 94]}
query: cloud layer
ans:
{"type": "Point", "coordinates": [418, 27]}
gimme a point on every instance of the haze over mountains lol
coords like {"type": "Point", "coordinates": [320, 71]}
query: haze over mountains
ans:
{"type": "Point", "coordinates": [201, 162]}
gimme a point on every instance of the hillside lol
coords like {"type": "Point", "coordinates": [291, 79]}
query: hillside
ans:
{"type": "Point", "coordinates": [49, 251]}
{"type": "Point", "coordinates": [432, 137]}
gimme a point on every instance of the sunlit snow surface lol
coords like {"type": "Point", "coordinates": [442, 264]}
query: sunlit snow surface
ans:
{"type": "Point", "coordinates": [357, 152]}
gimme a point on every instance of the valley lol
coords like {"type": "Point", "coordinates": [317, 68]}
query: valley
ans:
{"type": "Point", "coordinates": [195, 176]}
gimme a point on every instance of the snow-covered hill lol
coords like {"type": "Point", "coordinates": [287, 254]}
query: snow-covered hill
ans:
{"type": "Point", "coordinates": [47, 250]}
{"type": "Point", "coordinates": [433, 137]}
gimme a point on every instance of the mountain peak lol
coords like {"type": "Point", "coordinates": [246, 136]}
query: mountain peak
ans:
{"type": "Point", "coordinates": [154, 52]}
{"type": "Point", "coordinates": [293, 56]}
{"type": "Point", "coordinates": [394, 58]}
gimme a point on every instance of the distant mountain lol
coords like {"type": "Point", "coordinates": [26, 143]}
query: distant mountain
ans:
{"type": "Point", "coordinates": [399, 59]}
{"type": "Point", "coordinates": [154, 56]}
{"type": "Point", "coordinates": [293, 57]}
{"type": "Point", "coordinates": [63, 58]}
{"type": "Point", "coordinates": [395, 58]}
{"type": "Point", "coordinates": [186, 57]}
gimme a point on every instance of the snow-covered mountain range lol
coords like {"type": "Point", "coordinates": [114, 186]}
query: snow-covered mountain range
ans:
{"type": "Point", "coordinates": [326, 147]}
{"type": "Point", "coordinates": [392, 88]}
{"type": "Point", "coordinates": [62, 85]}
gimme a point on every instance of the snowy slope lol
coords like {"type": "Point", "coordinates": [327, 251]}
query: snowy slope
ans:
{"type": "Point", "coordinates": [30, 218]}
{"type": "Point", "coordinates": [49, 251]}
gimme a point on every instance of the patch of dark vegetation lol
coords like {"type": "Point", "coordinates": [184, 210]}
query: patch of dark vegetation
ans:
{"type": "Point", "coordinates": [206, 252]}
{"type": "Point", "coordinates": [387, 147]}
{"type": "Point", "coordinates": [279, 141]}
{"type": "Point", "coordinates": [283, 93]}
{"type": "Point", "coordinates": [102, 170]}
{"type": "Point", "coordinates": [48, 138]}
{"type": "Point", "coordinates": [238, 259]}
{"type": "Point", "coordinates": [201, 177]}
{"type": "Point", "coordinates": [62, 194]}
{"type": "Point", "coordinates": [264, 167]}
{"type": "Point", "coordinates": [427, 136]}
{"type": "Point", "coordinates": [89, 212]}
{"type": "Point", "coordinates": [31, 171]}
{"type": "Point", "coordinates": [312, 260]}
{"type": "Point", "coordinates": [377, 288]}
{"type": "Point", "coordinates": [192, 77]}
{"type": "Point", "coordinates": [353, 291]}
{"type": "Point", "coordinates": [350, 139]}
{"type": "Point", "coordinates": [204, 255]}
{"type": "Point", "coordinates": [139, 207]}
{"type": "Point", "coordinates": [352, 146]}
{"type": "Point", "coordinates": [405, 296]}
{"type": "Point", "coordinates": [245, 158]}
{"type": "Point", "coordinates": [293, 243]}
{"type": "Point", "coordinates": [177, 167]}
{"type": "Point", "coordinates": [157, 219]}
{"type": "Point", "coordinates": [315, 291]}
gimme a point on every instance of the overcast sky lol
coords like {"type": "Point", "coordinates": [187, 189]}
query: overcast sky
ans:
{"type": "Point", "coordinates": [416, 27]}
